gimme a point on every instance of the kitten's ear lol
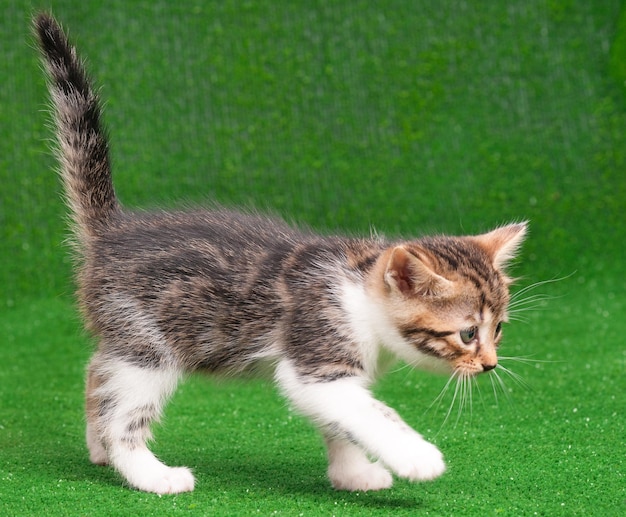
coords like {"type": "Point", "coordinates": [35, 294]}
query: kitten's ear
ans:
{"type": "Point", "coordinates": [412, 275]}
{"type": "Point", "coordinates": [502, 244]}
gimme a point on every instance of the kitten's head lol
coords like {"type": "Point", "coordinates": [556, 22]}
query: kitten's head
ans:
{"type": "Point", "coordinates": [448, 298]}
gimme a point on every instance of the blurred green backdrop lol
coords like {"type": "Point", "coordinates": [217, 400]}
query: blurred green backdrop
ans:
{"type": "Point", "coordinates": [409, 117]}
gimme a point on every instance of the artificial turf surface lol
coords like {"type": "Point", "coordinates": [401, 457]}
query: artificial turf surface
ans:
{"type": "Point", "coordinates": [407, 116]}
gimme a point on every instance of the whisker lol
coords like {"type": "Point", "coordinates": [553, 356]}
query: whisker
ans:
{"type": "Point", "coordinates": [531, 305]}
{"type": "Point", "coordinates": [403, 366]}
{"type": "Point", "coordinates": [519, 293]}
{"type": "Point", "coordinates": [525, 359]}
{"type": "Point", "coordinates": [493, 387]}
{"type": "Point", "coordinates": [454, 397]}
{"type": "Point", "coordinates": [530, 299]}
{"type": "Point", "coordinates": [477, 386]}
{"type": "Point", "coordinates": [525, 293]}
{"type": "Point", "coordinates": [527, 308]}
{"type": "Point", "coordinates": [520, 313]}
{"type": "Point", "coordinates": [462, 398]}
{"type": "Point", "coordinates": [442, 393]}
{"type": "Point", "coordinates": [464, 386]}
{"type": "Point", "coordinates": [500, 383]}
{"type": "Point", "coordinates": [523, 301]}
{"type": "Point", "coordinates": [470, 381]}
{"type": "Point", "coordinates": [522, 305]}
{"type": "Point", "coordinates": [517, 378]}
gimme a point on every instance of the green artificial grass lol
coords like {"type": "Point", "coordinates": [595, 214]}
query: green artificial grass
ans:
{"type": "Point", "coordinates": [410, 117]}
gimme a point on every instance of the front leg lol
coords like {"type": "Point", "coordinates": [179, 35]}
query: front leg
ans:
{"type": "Point", "coordinates": [347, 413]}
{"type": "Point", "coordinates": [349, 468]}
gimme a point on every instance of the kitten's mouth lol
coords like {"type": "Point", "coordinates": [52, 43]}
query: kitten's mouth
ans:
{"type": "Point", "coordinates": [473, 366]}
{"type": "Point", "coordinates": [475, 370]}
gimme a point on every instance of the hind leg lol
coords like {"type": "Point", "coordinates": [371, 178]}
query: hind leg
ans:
{"type": "Point", "coordinates": [97, 452]}
{"type": "Point", "coordinates": [122, 401]}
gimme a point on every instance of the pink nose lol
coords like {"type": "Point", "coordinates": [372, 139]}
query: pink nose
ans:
{"type": "Point", "coordinates": [487, 367]}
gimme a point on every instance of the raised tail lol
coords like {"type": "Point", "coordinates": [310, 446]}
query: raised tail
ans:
{"type": "Point", "coordinates": [82, 142]}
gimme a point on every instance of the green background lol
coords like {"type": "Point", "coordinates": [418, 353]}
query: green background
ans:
{"type": "Point", "coordinates": [410, 117]}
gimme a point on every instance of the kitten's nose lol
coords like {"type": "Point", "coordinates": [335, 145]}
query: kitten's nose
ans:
{"type": "Point", "coordinates": [487, 367]}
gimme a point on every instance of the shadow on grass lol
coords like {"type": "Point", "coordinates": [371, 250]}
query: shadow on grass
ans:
{"type": "Point", "coordinates": [257, 478]}
{"type": "Point", "coordinates": [47, 460]}
{"type": "Point", "coordinates": [264, 477]}
{"type": "Point", "coordinates": [293, 477]}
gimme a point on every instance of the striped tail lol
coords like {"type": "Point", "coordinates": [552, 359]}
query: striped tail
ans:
{"type": "Point", "coordinates": [83, 149]}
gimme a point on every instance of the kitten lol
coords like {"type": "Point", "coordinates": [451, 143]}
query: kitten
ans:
{"type": "Point", "coordinates": [222, 292]}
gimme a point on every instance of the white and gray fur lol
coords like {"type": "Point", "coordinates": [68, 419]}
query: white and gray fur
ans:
{"type": "Point", "coordinates": [221, 292]}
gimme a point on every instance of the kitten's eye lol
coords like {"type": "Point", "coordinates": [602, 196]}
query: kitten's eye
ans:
{"type": "Point", "coordinates": [469, 335]}
{"type": "Point", "coordinates": [498, 329]}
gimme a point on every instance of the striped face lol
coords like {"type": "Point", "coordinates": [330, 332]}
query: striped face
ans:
{"type": "Point", "coordinates": [465, 335]}
{"type": "Point", "coordinates": [448, 297]}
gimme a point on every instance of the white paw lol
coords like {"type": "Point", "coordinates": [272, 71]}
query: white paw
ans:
{"type": "Point", "coordinates": [370, 476]}
{"type": "Point", "coordinates": [171, 480]}
{"type": "Point", "coordinates": [416, 460]}
{"type": "Point", "coordinates": [144, 472]}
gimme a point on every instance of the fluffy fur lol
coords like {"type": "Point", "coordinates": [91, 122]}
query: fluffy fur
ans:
{"type": "Point", "coordinates": [221, 292]}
